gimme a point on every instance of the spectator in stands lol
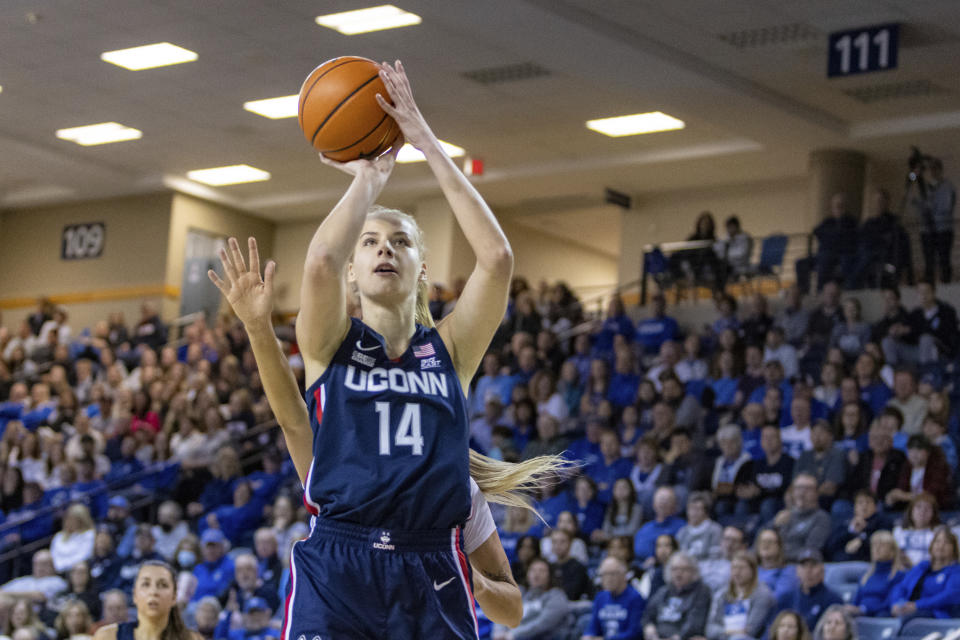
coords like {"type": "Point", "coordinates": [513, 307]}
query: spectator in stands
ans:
{"type": "Point", "coordinates": [568, 573]}
{"type": "Point", "coordinates": [727, 308]}
{"type": "Point", "coordinates": [185, 558]}
{"type": "Point", "coordinates": [885, 573]}
{"type": "Point", "coordinates": [169, 530]}
{"type": "Point", "coordinates": [914, 535]}
{"type": "Point", "coordinates": [216, 571]}
{"type": "Point", "coordinates": [665, 522]}
{"type": "Point", "coordinates": [895, 331]}
{"type": "Point", "coordinates": [586, 507]}
{"type": "Point", "coordinates": [804, 525]}
{"type": "Point", "coordinates": [797, 437]}
{"type": "Point", "coordinates": [878, 468]}
{"type": "Point", "coordinates": [715, 572]}
{"type": "Point", "coordinates": [731, 469]}
{"type": "Point", "coordinates": [105, 563]}
{"type": "Point", "coordinates": [883, 255]}
{"type": "Point", "coordinates": [74, 542]}
{"type": "Point", "coordinates": [788, 625]}
{"type": "Point", "coordinates": [150, 331]}
{"type": "Point", "coordinates": [852, 334]}
{"type": "Point", "coordinates": [646, 472]}
{"type": "Point", "coordinates": [74, 621]}
{"type": "Point", "coordinates": [247, 584]}
{"type": "Point", "coordinates": [545, 607]}
{"type": "Point", "coordinates": [659, 328]}
{"type": "Point", "coordinates": [936, 432]}
{"type": "Point", "coordinates": [778, 350]}
{"type": "Point", "coordinates": [700, 536]}
{"type": "Point", "coordinates": [687, 410]}
{"type": "Point", "coordinates": [219, 489]}
{"type": "Point", "coordinates": [873, 391]}
{"type": "Point", "coordinates": [624, 514]}
{"type": "Point", "coordinates": [850, 424]}
{"type": "Point", "coordinates": [206, 616]}
{"type": "Point", "coordinates": [618, 609]}
{"type": "Point", "coordinates": [849, 539]}
{"type": "Point", "coordinates": [143, 552]}
{"type": "Point", "coordinates": [934, 323]}
{"type": "Point", "coordinates": [615, 324]}
{"type": "Point", "coordinates": [691, 366]}
{"type": "Point", "coordinates": [813, 597]}
{"type": "Point", "coordinates": [753, 374]}
{"type": "Point", "coordinates": [724, 381]}
{"type": "Point", "coordinates": [931, 589]}
{"type": "Point", "coordinates": [622, 549]}
{"type": "Point", "coordinates": [837, 238]}
{"type": "Point", "coordinates": [937, 236]}
{"type": "Point", "coordinates": [835, 624]}
{"type": "Point", "coordinates": [926, 471]}
{"type": "Point", "coordinates": [610, 467]}
{"type": "Point", "coordinates": [24, 617]}
{"type": "Point", "coordinates": [269, 566]}
{"type": "Point", "coordinates": [764, 488]}
{"type": "Point", "coordinates": [908, 401]}
{"type": "Point", "coordinates": [527, 548]}
{"type": "Point", "coordinates": [680, 608]}
{"type": "Point", "coordinates": [42, 585]}
{"type": "Point", "coordinates": [793, 318]}
{"type": "Point", "coordinates": [121, 524]}
{"type": "Point", "coordinates": [664, 364]}
{"type": "Point", "coordinates": [491, 382]}
{"type": "Point", "coordinates": [687, 470]}
{"type": "Point", "coordinates": [578, 548]}
{"type": "Point", "coordinates": [543, 391]}
{"type": "Point", "coordinates": [825, 462]}
{"type": "Point", "coordinates": [742, 608]}
{"type": "Point", "coordinates": [757, 323]}
{"type": "Point", "coordinates": [654, 568]}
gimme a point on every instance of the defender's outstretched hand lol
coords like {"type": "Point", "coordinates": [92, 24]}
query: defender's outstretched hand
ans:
{"type": "Point", "coordinates": [249, 295]}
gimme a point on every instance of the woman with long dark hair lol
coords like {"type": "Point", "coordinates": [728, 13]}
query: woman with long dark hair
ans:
{"type": "Point", "coordinates": [158, 617]}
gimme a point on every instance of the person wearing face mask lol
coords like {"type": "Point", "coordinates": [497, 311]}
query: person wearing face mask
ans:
{"type": "Point", "coordinates": [185, 558]}
{"type": "Point", "coordinates": [169, 530]}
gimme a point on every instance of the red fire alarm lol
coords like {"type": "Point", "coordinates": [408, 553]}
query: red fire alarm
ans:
{"type": "Point", "coordinates": [473, 166]}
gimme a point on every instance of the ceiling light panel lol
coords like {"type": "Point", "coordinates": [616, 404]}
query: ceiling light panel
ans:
{"type": "Point", "coordinates": [233, 174]}
{"type": "Point", "coordinates": [635, 124]}
{"type": "Point", "coordinates": [149, 56]}
{"type": "Point", "coordinates": [409, 153]}
{"type": "Point", "coordinates": [102, 133]}
{"type": "Point", "coordinates": [385, 16]}
{"type": "Point", "coordinates": [275, 108]}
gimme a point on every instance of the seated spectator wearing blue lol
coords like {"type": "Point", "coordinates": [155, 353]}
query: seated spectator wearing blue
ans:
{"type": "Point", "coordinates": [121, 524]}
{"type": "Point", "coordinates": [581, 357]}
{"type": "Point", "coordinates": [773, 376]}
{"type": "Point", "coordinates": [266, 481]}
{"type": "Point", "coordinates": [885, 573]}
{"type": "Point", "coordinates": [852, 334]}
{"type": "Point", "coordinates": [804, 525]}
{"type": "Point", "coordinates": [645, 473]}
{"type": "Point", "coordinates": [549, 440]}
{"type": "Point", "coordinates": [215, 573]}
{"type": "Point", "coordinates": [654, 331]}
{"type": "Point", "coordinates": [106, 563]}
{"type": "Point", "coordinates": [692, 365]}
{"type": "Point", "coordinates": [247, 584]}
{"type": "Point", "coordinates": [752, 419]}
{"type": "Point", "coordinates": [492, 381]}
{"type": "Point", "coordinates": [31, 521]}
{"type": "Point", "coordinates": [788, 625]}
{"type": "Point", "coordinates": [615, 324]}
{"type": "Point", "coordinates": [570, 387]}
{"type": "Point", "coordinates": [88, 489]}
{"type": "Point", "coordinates": [481, 427]}
{"type": "Point", "coordinates": [837, 239]}
{"type": "Point", "coordinates": [218, 490]}
{"type": "Point", "coordinates": [124, 470]}
{"type": "Point", "coordinates": [881, 455]}
{"type": "Point", "coordinates": [850, 425]}
{"type": "Point", "coordinates": [849, 540]}
{"type": "Point", "coordinates": [763, 490]}
{"type": "Point", "coordinates": [618, 609]}
{"type": "Point", "coordinates": [724, 381]}
{"type": "Point", "coordinates": [624, 514]}
{"type": "Point", "coordinates": [524, 423]}
{"type": "Point", "coordinates": [873, 391]}
{"type": "Point", "coordinates": [926, 471]}
{"type": "Point", "coordinates": [826, 462]}
{"type": "Point", "coordinates": [610, 467]}
{"type": "Point", "coordinates": [142, 552]}
{"type": "Point", "coordinates": [932, 588]}
{"type": "Point", "coordinates": [680, 608]}
{"type": "Point", "coordinates": [630, 430]}
{"type": "Point", "coordinates": [753, 373]}
{"type": "Point", "coordinates": [727, 308]}
{"type": "Point", "coordinates": [624, 381]}
{"type": "Point", "coordinates": [665, 521]}
{"type": "Point", "coordinates": [932, 335]}
{"type": "Point", "coordinates": [828, 391]}
{"type": "Point", "coordinates": [240, 519]}
{"type": "Point", "coordinates": [813, 597]}
{"type": "Point", "coordinates": [797, 437]}
{"type": "Point", "coordinates": [732, 469]}
{"type": "Point", "coordinates": [777, 349]}
{"type": "Point", "coordinates": [256, 622]}
{"type": "Point", "coordinates": [269, 566]}
{"type": "Point", "coordinates": [836, 623]}
{"type": "Point", "coordinates": [585, 506]}
{"type": "Point", "coordinates": [742, 608]}
{"type": "Point", "coordinates": [586, 450]}
{"type": "Point", "coordinates": [700, 536]}
{"type": "Point", "coordinates": [773, 569]}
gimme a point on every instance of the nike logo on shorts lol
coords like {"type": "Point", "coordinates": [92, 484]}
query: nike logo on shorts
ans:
{"type": "Point", "coordinates": [437, 587]}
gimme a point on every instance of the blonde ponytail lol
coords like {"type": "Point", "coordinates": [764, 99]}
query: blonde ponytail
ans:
{"type": "Point", "coordinates": [511, 484]}
{"type": "Point", "coordinates": [422, 314]}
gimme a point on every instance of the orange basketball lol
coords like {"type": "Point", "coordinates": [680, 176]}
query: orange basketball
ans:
{"type": "Point", "coordinates": [338, 110]}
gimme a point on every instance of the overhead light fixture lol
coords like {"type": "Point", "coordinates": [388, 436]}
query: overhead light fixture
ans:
{"type": "Point", "coordinates": [275, 108]}
{"type": "Point", "coordinates": [99, 134]}
{"type": "Point", "coordinates": [409, 153]}
{"type": "Point", "coordinates": [385, 16]}
{"type": "Point", "coordinates": [149, 56]}
{"type": "Point", "coordinates": [234, 174]}
{"type": "Point", "coordinates": [635, 124]}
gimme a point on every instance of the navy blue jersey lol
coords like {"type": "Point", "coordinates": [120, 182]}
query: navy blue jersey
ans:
{"type": "Point", "coordinates": [389, 436]}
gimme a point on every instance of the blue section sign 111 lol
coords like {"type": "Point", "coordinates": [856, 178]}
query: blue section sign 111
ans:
{"type": "Point", "coordinates": [863, 50]}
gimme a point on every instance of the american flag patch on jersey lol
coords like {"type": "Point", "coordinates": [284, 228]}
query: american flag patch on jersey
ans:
{"type": "Point", "coordinates": [424, 350]}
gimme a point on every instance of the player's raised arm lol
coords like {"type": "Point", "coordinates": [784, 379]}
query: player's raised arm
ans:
{"type": "Point", "coordinates": [323, 322]}
{"type": "Point", "coordinates": [251, 298]}
{"type": "Point", "coordinates": [467, 331]}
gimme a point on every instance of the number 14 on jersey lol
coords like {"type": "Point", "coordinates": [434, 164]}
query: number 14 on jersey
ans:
{"type": "Point", "coordinates": [408, 432]}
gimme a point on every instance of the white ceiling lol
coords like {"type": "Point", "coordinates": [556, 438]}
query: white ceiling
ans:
{"type": "Point", "coordinates": [752, 113]}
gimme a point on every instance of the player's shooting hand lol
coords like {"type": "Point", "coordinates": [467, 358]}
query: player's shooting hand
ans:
{"type": "Point", "coordinates": [376, 170]}
{"type": "Point", "coordinates": [404, 108]}
{"type": "Point", "coordinates": [249, 295]}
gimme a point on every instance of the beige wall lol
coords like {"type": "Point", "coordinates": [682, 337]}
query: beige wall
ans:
{"type": "Point", "coordinates": [290, 242]}
{"type": "Point", "coordinates": [186, 213]}
{"type": "Point", "coordinates": [763, 208]}
{"type": "Point", "coordinates": [134, 255]}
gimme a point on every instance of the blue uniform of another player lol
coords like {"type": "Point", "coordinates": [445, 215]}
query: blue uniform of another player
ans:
{"type": "Point", "coordinates": [389, 489]}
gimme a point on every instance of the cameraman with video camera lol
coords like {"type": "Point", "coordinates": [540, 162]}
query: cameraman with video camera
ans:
{"type": "Point", "coordinates": [933, 198]}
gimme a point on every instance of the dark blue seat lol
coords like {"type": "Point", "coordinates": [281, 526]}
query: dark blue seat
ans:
{"type": "Point", "coordinates": [877, 628]}
{"type": "Point", "coordinates": [919, 627]}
